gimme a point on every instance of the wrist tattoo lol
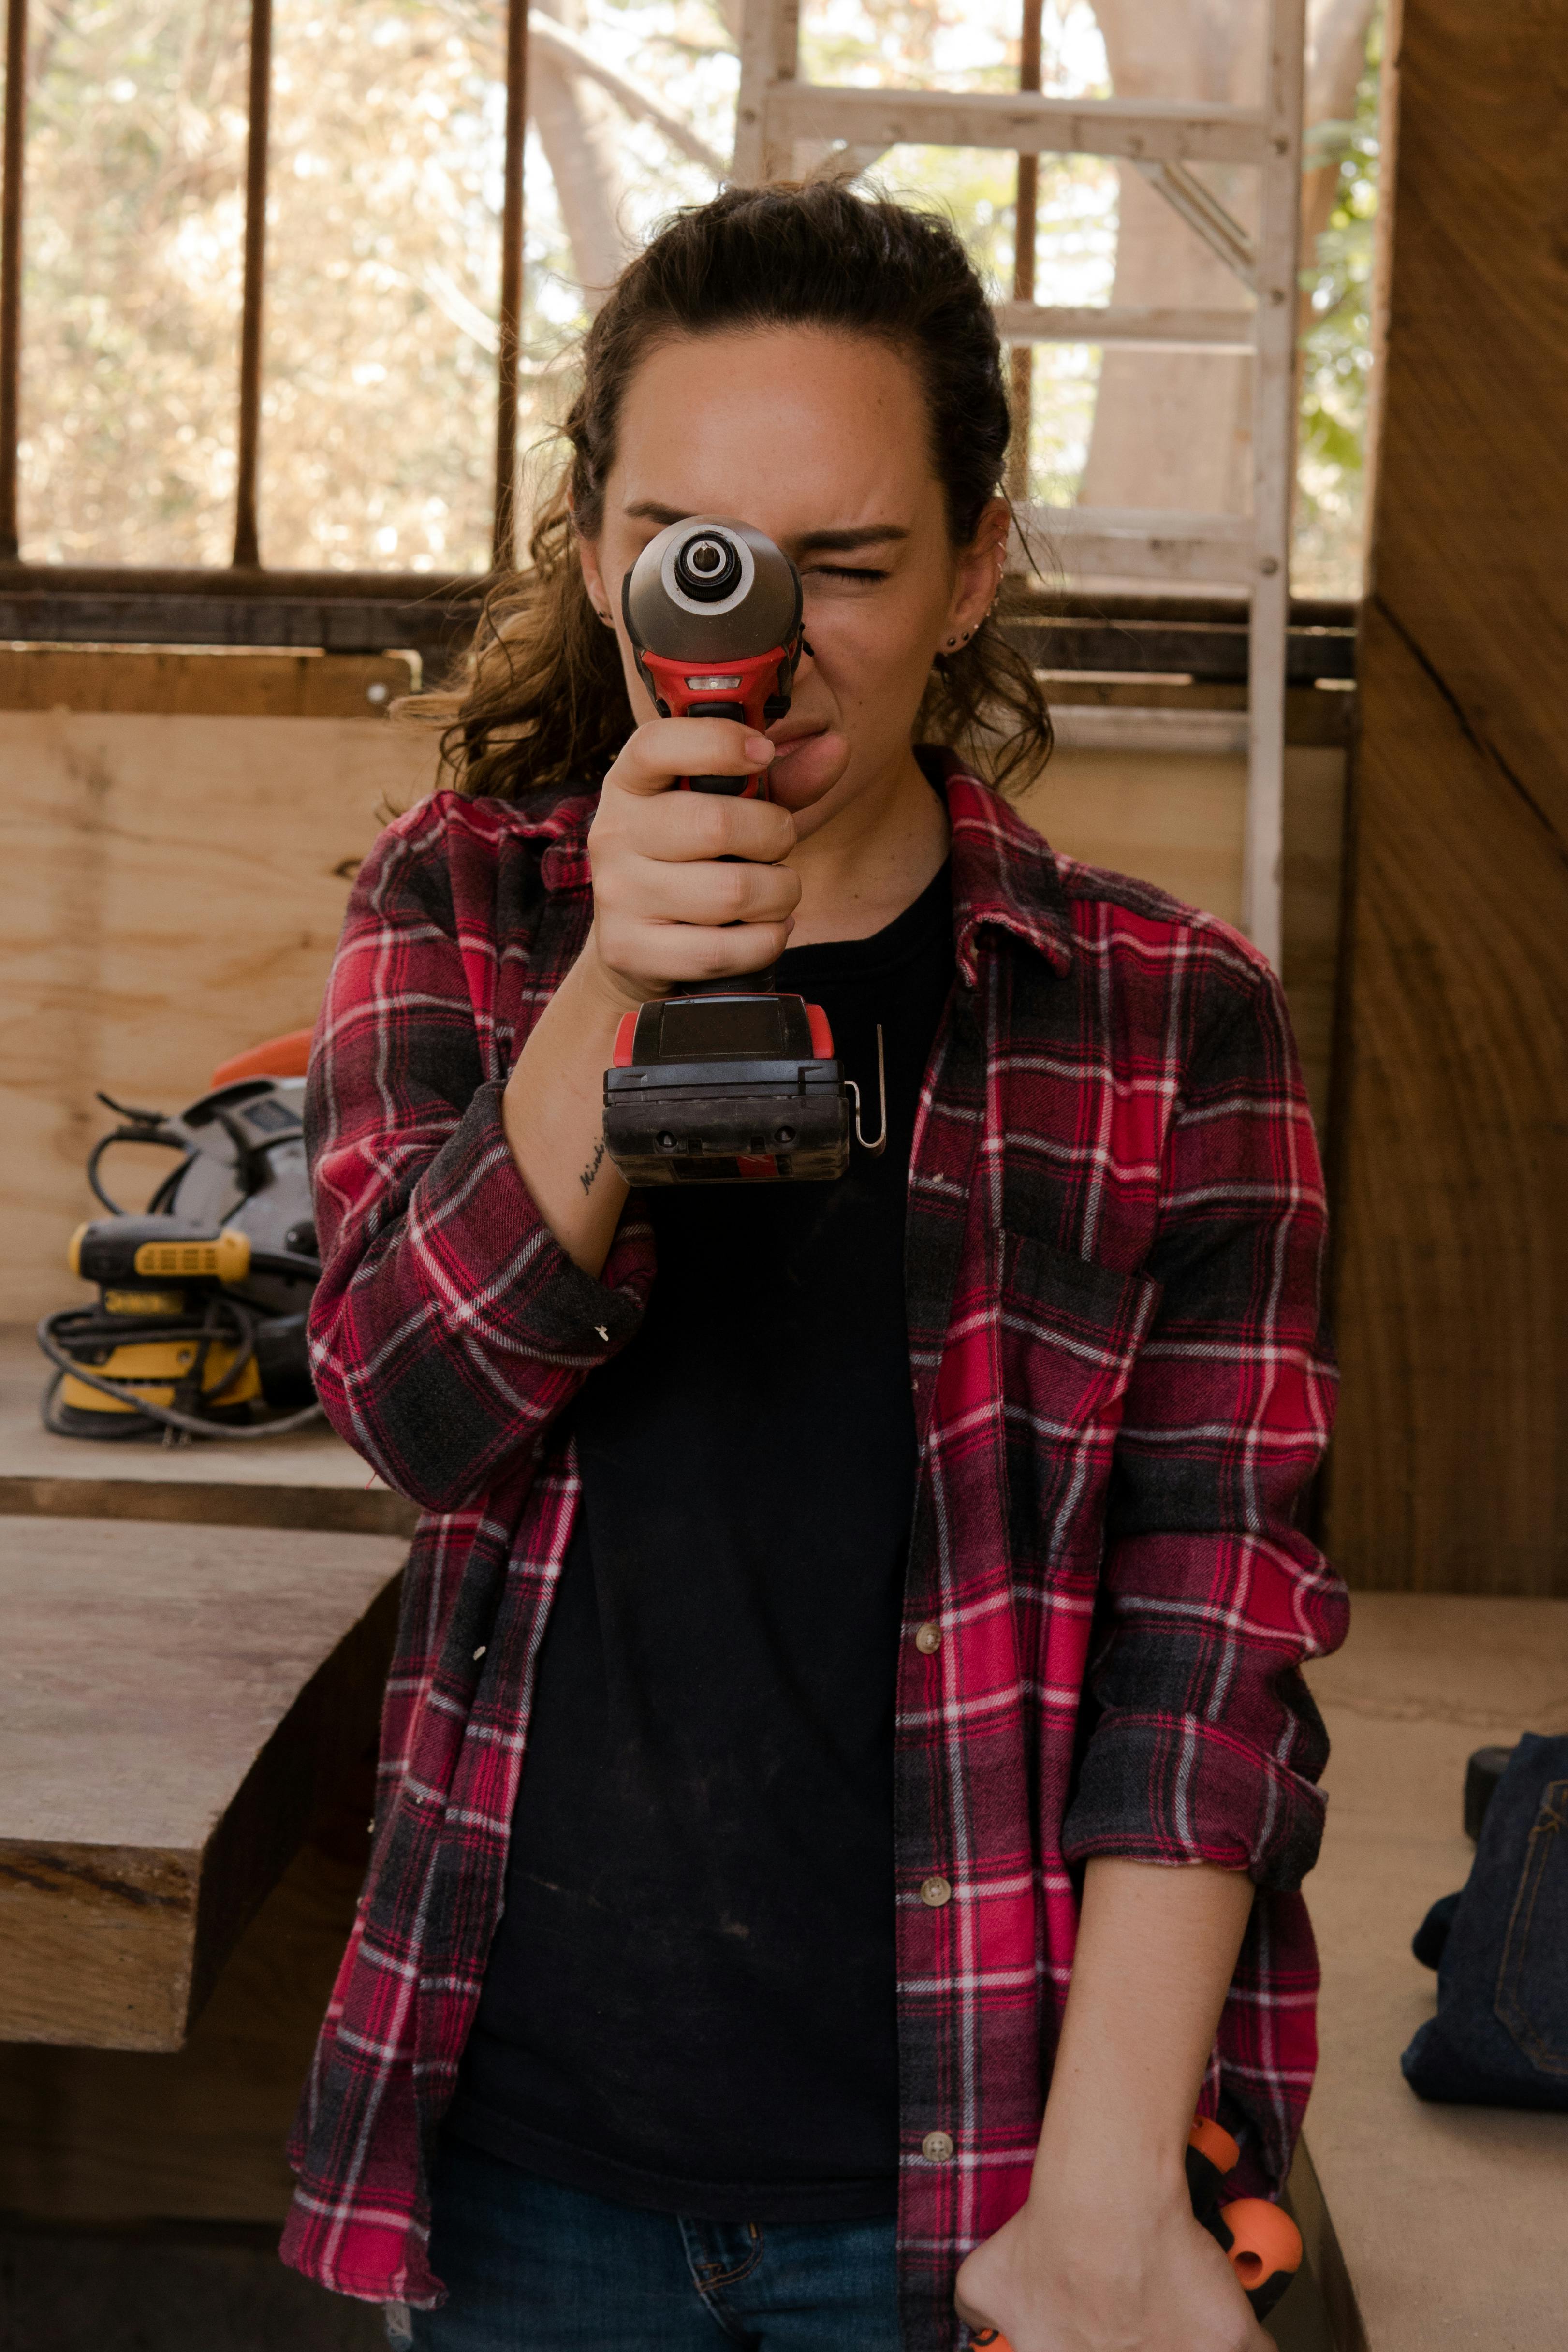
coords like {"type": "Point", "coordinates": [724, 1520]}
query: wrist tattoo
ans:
{"type": "Point", "coordinates": [592, 1170]}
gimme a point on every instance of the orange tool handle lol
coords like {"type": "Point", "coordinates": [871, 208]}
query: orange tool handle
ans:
{"type": "Point", "coordinates": [1265, 2248]}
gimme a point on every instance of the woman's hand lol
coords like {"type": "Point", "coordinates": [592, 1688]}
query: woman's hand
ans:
{"type": "Point", "coordinates": [665, 909]}
{"type": "Point", "coordinates": [1078, 2272]}
{"type": "Point", "coordinates": [1104, 2255]}
{"type": "Point", "coordinates": [666, 906]}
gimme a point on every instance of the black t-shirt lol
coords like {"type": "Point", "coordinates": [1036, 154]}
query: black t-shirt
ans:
{"type": "Point", "coordinates": [690, 2003]}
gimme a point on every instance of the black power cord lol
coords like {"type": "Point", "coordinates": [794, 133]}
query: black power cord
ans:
{"type": "Point", "coordinates": [228, 1320]}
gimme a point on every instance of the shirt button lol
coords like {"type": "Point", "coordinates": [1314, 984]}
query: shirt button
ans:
{"type": "Point", "coordinates": [937, 2147]}
{"type": "Point", "coordinates": [928, 1638]}
{"type": "Point", "coordinates": [935, 1892]}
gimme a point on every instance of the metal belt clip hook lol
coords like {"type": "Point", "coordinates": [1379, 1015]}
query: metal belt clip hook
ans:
{"type": "Point", "coordinates": [877, 1149]}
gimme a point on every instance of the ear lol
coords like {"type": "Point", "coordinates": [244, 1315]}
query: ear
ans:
{"type": "Point", "coordinates": [977, 574]}
{"type": "Point", "coordinates": [592, 578]}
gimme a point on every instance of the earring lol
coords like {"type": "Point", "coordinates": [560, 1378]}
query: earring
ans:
{"type": "Point", "coordinates": [951, 642]}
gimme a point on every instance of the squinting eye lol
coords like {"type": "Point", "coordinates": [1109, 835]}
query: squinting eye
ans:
{"type": "Point", "coordinates": [843, 572]}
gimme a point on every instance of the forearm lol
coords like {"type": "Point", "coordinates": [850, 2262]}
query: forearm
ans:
{"type": "Point", "coordinates": [1155, 1952]}
{"type": "Point", "coordinates": [1105, 2252]}
{"type": "Point", "coordinates": [554, 1112]}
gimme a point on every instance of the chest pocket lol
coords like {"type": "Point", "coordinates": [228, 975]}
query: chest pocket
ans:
{"type": "Point", "coordinates": [1071, 1331]}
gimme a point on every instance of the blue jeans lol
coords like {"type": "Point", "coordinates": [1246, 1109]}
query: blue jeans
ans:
{"type": "Point", "coordinates": [532, 2267]}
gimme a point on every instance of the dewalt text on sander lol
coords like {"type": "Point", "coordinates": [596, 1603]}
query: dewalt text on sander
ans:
{"type": "Point", "coordinates": [726, 1081]}
{"type": "Point", "coordinates": [199, 1327]}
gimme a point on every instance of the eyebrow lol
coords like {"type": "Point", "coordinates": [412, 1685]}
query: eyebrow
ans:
{"type": "Point", "coordinates": [810, 542]}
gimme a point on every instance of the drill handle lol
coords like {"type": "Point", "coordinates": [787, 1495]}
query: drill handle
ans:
{"type": "Point", "coordinates": [753, 689]}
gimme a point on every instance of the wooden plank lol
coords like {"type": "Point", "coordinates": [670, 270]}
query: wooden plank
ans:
{"type": "Point", "coordinates": [1447, 2220]}
{"type": "Point", "coordinates": [237, 684]}
{"type": "Point", "coordinates": [1450, 1468]}
{"type": "Point", "coordinates": [174, 1699]}
{"type": "Point", "coordinates": [1157, 129]}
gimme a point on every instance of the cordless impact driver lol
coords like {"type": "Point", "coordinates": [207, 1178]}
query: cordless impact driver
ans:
{"type": "Point", "coordinates": [725, 1081]}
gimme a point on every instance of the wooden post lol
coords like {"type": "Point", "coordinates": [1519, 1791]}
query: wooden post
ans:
{"type": "Point", "coordinates": [770, 50]}
{"type": "Point", "coordinates": [16, 134]}
{"type": "Point", "coordinates": [503, 536]}
{"type": "Point", "coordinates": [1026, 227]}
{"type": "Point", "coordinates": [1450, 1468]}
{"type": "Point", "coordinates": [246, 537]}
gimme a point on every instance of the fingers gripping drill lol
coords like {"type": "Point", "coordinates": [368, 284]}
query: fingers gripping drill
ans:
{"type": "Point", "coordinates": [1263, 2242]}
{"type": "Point", "coordinates": [726, 1080]}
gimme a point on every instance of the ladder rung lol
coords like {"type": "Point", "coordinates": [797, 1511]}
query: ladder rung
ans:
{"type": "Point", "coordinates": [1140, 544]}
{"type": "Point", "coordinates": [1146, 130]}
{"type": "Point", "coordinates": [1041, 322]}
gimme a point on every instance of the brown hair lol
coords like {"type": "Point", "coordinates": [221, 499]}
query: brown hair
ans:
{"type": "Point", "coordinates": [543, 701]}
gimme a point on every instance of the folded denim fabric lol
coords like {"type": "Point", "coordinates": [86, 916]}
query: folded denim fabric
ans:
{"type": "Point", "coordinates": [1500, 2035]}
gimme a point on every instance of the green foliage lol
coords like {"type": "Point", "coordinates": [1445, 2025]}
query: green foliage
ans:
{"type": "Point", "coordinates": [1336, 349]}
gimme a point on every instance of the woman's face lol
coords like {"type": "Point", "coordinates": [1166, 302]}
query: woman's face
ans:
{"type": "Point", "coordinates": [821, 441]}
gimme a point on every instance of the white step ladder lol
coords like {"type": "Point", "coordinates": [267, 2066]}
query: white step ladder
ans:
{"type": "Point", "coordinates": [1163, 139]}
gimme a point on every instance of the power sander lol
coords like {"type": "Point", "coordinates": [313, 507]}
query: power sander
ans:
{"type": "Point", "coordinates": [199, 1325]}
{"type": "Point", "coordinates": [725, 1081]}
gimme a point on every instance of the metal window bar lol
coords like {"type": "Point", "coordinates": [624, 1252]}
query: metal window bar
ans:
{"type": "Point", "coordinates": [249, 532]}
{"type": "Point", "coordinates": [1162, 139]}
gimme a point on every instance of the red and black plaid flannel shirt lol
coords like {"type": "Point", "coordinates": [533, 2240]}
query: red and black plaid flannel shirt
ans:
{"type": "Point", "coordinates": [1114, 1290]}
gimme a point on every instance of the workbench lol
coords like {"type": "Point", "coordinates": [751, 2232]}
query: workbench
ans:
{"type": "Point", "coordinates": [196, 1638]}
{"type": "Point", "coordinates": [1431, 2229]}
{"type": "Point", "coordinates": [173, 1701]}
{"type": "Point", "coordinates": [309, 1480]}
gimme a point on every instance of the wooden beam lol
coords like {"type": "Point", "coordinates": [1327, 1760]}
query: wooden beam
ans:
{"type": "Point", "coordinates": [1450, 1467]}
{"type": "Point", "coordinates": [509, 317]}
{"type": "Point", "coordinates": [1026, 232]}
{"type": "Point", "coordinates": [770, 45]}
{"type": "Point", "coordinates": [11, 154]}
{"type": "Point", "coordinates": [246, 529]}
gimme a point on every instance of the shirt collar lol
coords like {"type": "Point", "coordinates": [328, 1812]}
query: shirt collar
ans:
{"type": "Point", "coordinates": [1004, 875]}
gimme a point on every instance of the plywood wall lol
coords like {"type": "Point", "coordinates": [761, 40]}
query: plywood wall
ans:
{"type": "Point", "coordinates": [174, 883]}
{"type": "Point", "coordinates": [1450, 1469]}
{"type": "Point", "coordinates": [178, 832]}
{"type": "Point", "coordinates": [1176, 817]}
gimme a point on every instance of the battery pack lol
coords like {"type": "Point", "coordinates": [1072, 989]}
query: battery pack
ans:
{"type": "Point", "coordinates": [727, 1088]}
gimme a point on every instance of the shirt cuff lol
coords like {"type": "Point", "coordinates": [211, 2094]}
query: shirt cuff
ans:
{"type": "Point", "coordinates": [1165, 1789]}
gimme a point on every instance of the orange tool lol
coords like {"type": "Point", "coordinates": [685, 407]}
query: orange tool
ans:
{"type": "Point", "coordinates": [1264, 2244]}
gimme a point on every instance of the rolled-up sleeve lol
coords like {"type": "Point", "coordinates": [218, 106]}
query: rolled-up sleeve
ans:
{"type": "Point", "coordinates": [448, 1328]}
{"type": "Point", "coordinates": [1205, 1745]}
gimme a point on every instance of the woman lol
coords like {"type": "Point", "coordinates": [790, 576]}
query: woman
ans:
{"type": "Point", "coordinates": [848, 1682]}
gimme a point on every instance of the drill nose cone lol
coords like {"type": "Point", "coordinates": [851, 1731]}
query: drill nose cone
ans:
{"type": "Point", "coordinates": [710, 590]}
